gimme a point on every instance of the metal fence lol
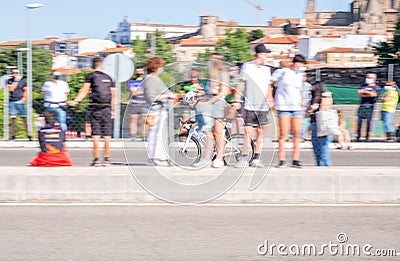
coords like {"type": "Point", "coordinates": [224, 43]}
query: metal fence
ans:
{"type": "Point", "coordinates": [131, 126]}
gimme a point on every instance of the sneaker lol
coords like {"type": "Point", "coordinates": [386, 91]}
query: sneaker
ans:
{"type": "Point", "coordinates": [12, 138]}
{"type": "Point", "coordinates": [281, 164]}
{"type": "Point", "coordinates": [217, 163]}
{"type": "Point", "coordinates": [242, 163]}
{"type": "Point", "coordinates": [161, 163]}
{"type": "Point", "coordinates": [107, 162]}
{"type": "Point", "coordinates": [202, 163]}
{"type": "Point", "coordinates": [296, 164]}
{"type": "Point", "coordinates": [96, 163]}
{"type": "Point", "coordinates": [30, 138]}
{"type": "Point", "coordinates": [256, 163]}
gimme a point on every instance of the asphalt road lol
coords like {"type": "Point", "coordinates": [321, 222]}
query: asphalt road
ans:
{"type": "Point", "coordinates": [191, 232]}
{"type": "Point", "coordinates": [83, 157]}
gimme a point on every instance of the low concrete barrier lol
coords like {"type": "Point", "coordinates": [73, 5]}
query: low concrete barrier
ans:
{"type": "Point", "coordinates": [116, 184]}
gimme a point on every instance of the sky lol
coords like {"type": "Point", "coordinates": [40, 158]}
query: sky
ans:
{"type": "Point", "coordinates": [95, 18]}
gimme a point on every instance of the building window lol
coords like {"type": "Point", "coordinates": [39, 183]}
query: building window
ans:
{"type": "Point", "coordinates": [392, 4]}
{"type": "Point", "coordinates": [336, 57]}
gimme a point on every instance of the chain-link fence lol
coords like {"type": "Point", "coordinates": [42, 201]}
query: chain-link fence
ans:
{"type": "Point", "coordinates": [341, 82]}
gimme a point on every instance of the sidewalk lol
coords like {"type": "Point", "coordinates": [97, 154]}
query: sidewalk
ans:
{"type": "Point", "coordinates": [121, 143]}
{"type": "Point", "coordinates": [117, 184]}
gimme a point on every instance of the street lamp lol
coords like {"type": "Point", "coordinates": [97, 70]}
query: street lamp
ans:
{"type": "Point", "coordinates": [29, 63]}
{"type": "Point", "coordinates": [20, 67]}
{"type": "Point", "coordinates": [6, 107]}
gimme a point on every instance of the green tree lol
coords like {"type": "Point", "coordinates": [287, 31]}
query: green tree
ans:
{"type": "Point", "coordinates": [388, 52]}
{"type": "Point", "coordinates": [234, 47]}
{"type": "Point", "coordinates": [201, 61]}
{"type": "Point", "coordinates": [42, 62]}
{"type": "Point", "coordinates": [164, 49]}
{"type": "Point", "coordinates": [78, 113]}
{"type": "Point", "coordinates": [41, 65]}
{"type": "Point", "coordinates": [8, 57]}
{"type": "Point", "coordinates": [77, 80]}
{"type": "Point", "coordinates": [140, 49]}
{"type": "Point", "coordinates": [254, 35]}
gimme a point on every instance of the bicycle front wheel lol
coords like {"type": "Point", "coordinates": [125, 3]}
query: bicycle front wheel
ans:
{"type": "Point", "coordinates": [234, 149]}
{"type": "Point", "coordinates": [185, 151]}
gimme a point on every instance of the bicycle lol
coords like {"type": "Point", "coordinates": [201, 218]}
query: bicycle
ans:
{"type": "Point", "coordinates": [190, 145]}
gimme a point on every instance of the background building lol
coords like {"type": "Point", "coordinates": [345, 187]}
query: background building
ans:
{"type": "Point", "coordinates": [348, 57]}
{"type": "Point", "coordinates": [309, 47]}
{"type": "Point", "coordinates": [365, 16]}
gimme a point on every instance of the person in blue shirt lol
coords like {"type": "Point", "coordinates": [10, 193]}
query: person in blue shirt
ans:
{"type": "Point", "coordinates": [368, 93]}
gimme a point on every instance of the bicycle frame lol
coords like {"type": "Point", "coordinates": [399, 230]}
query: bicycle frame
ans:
{"type": "Point", "coordinates": [193, 132]}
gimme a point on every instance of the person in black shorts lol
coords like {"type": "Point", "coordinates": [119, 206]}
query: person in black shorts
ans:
{"type": "Point", "coordinates": [101, 106]}
{"type": "Point", "coordinates": [256, 85]}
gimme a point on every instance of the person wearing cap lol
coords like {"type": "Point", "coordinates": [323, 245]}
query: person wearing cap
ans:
{"type": "Point", "coordinates": [289, 103]}
{"type": "Point", "coordinates": [55, 94]}
{"type": "Point", "coordinates": [191, 84]}
{"type": "Point", "coordinates": [18, 93]}
{"type": "Point", "coordinates": [368, 93]}
{"type": "Point", "coordinates": [256, 88]}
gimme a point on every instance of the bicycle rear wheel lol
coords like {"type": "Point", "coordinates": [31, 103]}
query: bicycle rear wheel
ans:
{"type": "Point", "coordinates": [185, 152]}
{"type": "Point", "coordinates": [234, 148]}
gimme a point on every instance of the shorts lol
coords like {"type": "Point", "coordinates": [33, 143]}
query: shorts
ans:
{"type": "Point", "coordinates": [101, 121]}
{"type": "Point", "coordinates": [218, 109]}
{"type": "Point", "coordinates": [17, 108]}
{"type": "Point", "coordinates": [204, 118]}
{"type": "Point", "coordinates": [291, 113]}
{"type": "Point", "coordinates": [207, 113]}
{"type": "Point", "coordinates": [256, 118]}
{"type": "Point", "coordinates": [137, 108]}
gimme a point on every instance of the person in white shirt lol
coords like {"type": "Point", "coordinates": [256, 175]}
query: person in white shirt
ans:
{"type": "Point", "coordinates": [55, 94]}
{"type": "Point", "coordinates": [257, 91]}
{"type": "Point", "coordinates": [289, 103]}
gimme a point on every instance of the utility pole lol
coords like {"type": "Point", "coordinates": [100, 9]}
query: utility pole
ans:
{"type": "Point", "coordinates": [29, 8]}
{"type": "Point", "coordinates": [68, 53]}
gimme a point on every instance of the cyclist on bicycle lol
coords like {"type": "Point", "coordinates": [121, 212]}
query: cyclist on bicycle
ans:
{"type": "Point", "coordinates": [192, 84]}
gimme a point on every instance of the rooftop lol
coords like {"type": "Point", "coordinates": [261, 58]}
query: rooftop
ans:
{"type": "Point", "coordinates": [198, 41]}
{"type": "Point", "coordinates": [276, 40]}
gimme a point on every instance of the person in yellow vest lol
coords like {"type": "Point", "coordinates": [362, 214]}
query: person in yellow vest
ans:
{"type": "Point", "coordinates": [389, 99]}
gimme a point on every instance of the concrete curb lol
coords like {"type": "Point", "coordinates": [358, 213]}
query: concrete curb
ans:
{"type": "Point", "coordinates": [268, 144]}
{"type": "Point", "coordinates": [116, 184]}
